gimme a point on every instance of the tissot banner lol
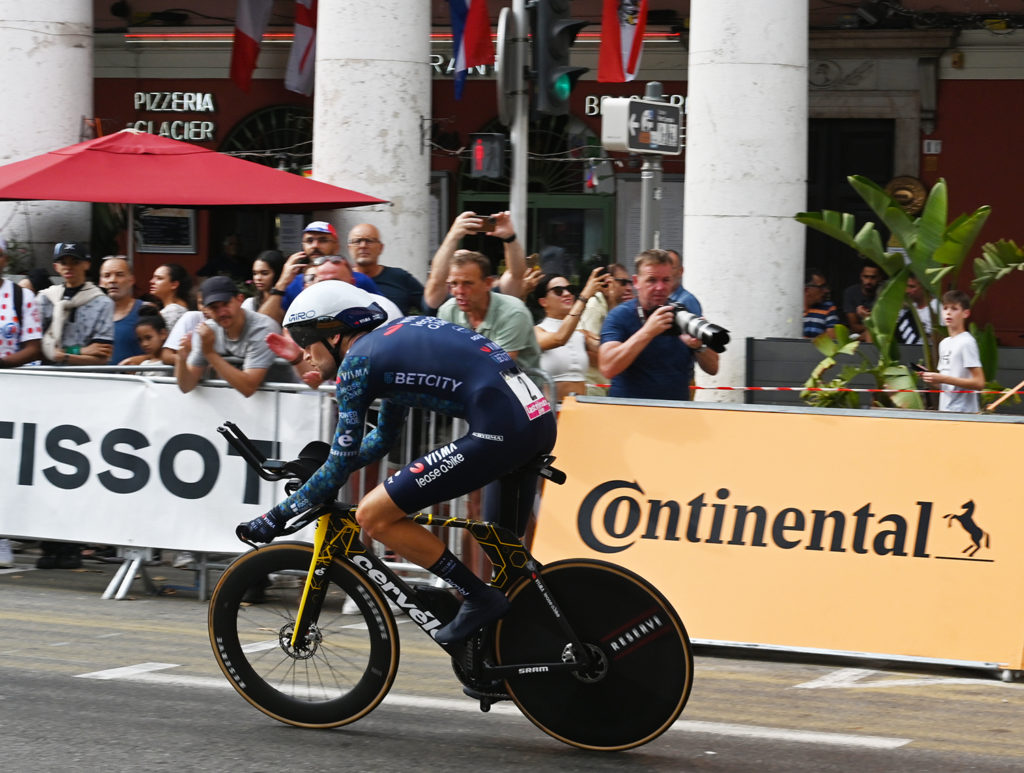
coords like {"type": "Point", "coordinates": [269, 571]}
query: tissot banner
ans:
{"type": "Point", "coordinates": [126, 460]}
{"type": "Point", "coordinates": [859, 531]}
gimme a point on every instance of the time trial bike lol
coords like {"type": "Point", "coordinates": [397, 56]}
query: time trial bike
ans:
{"type": "Point", "coordinates": [590, 652]}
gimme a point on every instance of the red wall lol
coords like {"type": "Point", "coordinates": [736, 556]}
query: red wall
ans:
{"type": "Point", "coordinates": [979, 123]}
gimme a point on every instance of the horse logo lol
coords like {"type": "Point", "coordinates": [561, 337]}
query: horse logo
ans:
{"type": "Point", "coordinates": [975, 532]}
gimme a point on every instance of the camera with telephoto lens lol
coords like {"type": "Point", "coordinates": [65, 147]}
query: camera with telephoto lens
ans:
{"type": "Point", "coordinates": [713, 336]}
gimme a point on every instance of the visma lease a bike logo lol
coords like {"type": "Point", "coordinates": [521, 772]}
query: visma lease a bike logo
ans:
{"type": "Point", "coordinates": [616, 515]}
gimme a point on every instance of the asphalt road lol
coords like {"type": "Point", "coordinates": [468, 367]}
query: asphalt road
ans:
{"type": "Point", "coordinates": [131, 685]}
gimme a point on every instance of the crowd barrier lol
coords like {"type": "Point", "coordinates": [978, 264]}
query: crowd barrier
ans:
{"type": "Point", "coordinates": [111, 458]}
{"type": "Point", "coordinates": [887, 533]}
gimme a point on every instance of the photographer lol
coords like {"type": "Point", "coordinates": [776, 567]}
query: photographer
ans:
{"type": "Point", "coordinates": [640, 352]}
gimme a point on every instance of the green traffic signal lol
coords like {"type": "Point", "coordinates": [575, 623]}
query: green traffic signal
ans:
{"type": "Point", "coordinates": [561, 87]}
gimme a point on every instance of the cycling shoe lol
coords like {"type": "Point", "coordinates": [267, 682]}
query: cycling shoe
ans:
{"type": "Point", "coordinates": [262, 529]}
{"type": "Point", "coordinates": [476, 611]}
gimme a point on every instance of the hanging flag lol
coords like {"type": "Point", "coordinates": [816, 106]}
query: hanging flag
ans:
{"type": "Point", "coordinates": [471, 38]}
{"type": "Point", "coordinates": [299, 77]}
{"type": "Point", "coordinates": [251, 21]}
{"type": "Point", "coordinates": [622, 40]}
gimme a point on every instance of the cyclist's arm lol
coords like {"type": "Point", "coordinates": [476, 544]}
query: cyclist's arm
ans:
{"type": "Point", "coordinates": [383, 437]}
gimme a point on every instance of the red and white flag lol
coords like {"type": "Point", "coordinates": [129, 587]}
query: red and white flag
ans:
{"type": "Point", "coordinates": [299, 77]}
{"type": "Point", "coordinates": [622, 40]}
{"type": "Point", "coordinates": [251, 21]}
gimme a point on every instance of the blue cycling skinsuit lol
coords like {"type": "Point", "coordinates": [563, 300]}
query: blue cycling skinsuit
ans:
{"type": "Point", "coordinates": [424, 362]}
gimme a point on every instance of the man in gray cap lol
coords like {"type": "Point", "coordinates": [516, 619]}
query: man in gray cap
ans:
{"type": "Point", "coordinates": [229, 331]}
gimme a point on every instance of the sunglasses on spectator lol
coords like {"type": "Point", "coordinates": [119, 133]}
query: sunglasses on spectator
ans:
{"type": "Point", "coordinates": [811, 284]}
{"type": "Point", "coordinates": [562, 289]}
{"type": "Point", "coordinates": [362, 240]}
{"type": "Point", "coordinates": [330, 259]}
{"type": "Point", "coordinates": [621, 281]}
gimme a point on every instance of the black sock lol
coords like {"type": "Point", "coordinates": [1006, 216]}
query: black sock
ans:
{"type": "Point", "coordinates": [457, 574]}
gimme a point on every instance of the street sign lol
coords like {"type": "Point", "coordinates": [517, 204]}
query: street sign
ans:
{"type": "Point", "coordinates": [641, 126]}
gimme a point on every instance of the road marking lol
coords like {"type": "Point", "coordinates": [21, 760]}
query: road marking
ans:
{"type": "Point", "coordinates": [854, 678]}
{"type": "Point", "coordinates": [152, 673]}
{"type": "Point", "coordinates": [797, 736]}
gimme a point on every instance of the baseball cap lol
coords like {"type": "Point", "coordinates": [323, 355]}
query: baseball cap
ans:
{"type": "Point", "coordinates": [75, 250]}
{"type": "Point", "coordinates": [320, 227]}
{"type": "Point", "coordinates": [216, 289]}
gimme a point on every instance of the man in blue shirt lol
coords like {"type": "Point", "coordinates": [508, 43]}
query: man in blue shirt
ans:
{"type": "Point", "coordinates": [639, 352]}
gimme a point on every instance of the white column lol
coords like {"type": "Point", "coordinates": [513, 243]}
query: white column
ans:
{"type": "Point", "coordinates": [371, 104]}
{"type": "Point", "coordinates": [746, 173]}
{"type": "Point", "coordinates": [46, 66]}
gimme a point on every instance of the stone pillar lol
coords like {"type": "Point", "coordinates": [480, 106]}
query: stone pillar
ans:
{"type": "Point", "coordinates": [746, 173]}
{"type": "Point", "coordinates": [46, 64]}
{"type": "Point", "coordinates": [371, 106]}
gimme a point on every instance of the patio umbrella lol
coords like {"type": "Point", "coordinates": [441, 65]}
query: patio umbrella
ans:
{"type": "Point", "coordinates": [133, 167]}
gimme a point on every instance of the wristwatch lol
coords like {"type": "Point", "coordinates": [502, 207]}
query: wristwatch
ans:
{"type": "Point", "coordinates": [509, 240]}
{"type": "Point", "coordinates": [275, 291]}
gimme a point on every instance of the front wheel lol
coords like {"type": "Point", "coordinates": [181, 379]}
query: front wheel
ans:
{"type": "Point", "coordinates": [642, 664]}
{"type": "Point", "coordinates": [345, 664]}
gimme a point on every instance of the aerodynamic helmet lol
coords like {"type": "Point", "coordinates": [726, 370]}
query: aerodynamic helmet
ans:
{"type": "Point", "coordinates": [331, 307]}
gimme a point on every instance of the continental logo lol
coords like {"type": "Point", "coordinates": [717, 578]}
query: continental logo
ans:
{"type": "Point", "coordinates": [616, 515]}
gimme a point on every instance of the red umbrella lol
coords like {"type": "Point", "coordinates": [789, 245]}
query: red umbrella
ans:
{"type": "Point", "coordinates": [140, 168]}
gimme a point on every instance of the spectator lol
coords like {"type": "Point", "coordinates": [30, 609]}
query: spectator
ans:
{"type": "Point", "coordinates": [502, 318]}
{"type": "Point", "coordinates": [78, 319]}
{"type": "Point", "coordinates": [181, 334]}
{"type": "Point", "coordinates": [227, 262]}
{"type": "Point", "coordinates": [820, 315]}
{"type": "Point", "coordinates": [618, 290]}
{"type": "Point", "coordinates": [859, 298]}
{"type": "Point", "coordinates": [959, 359]}
{"type": "Point", "coordinates": [117, 279]}
{"type": "Point", "coordinates": [511, 283]}
{"type": "Point", "coordinates": [151, 336]}
{"type": "Point", "coordinates": [266, 270]}
{"type": "Point", "coordinates": [681, 294]}
{"type": "Point", "coordinates": [319, 239]}
{"type": "Point", "coordinates": [563, 347]}
{"type": "Point", "coordinates": [172, 286]}
{"type": "Point", "coordinates": [36, 280]}
{"type": "Point", "coordinates": [395, 284]}
{"type": "Point", "coordinates": [640, 352]}
{"type": "Point", "coordinates": [230, 331]}
{"type": "Point", "coordinates": [907, 330]}
{"type": "Point", "coordinates": [20, 324]}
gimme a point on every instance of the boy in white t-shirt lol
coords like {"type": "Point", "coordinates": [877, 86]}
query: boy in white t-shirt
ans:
{"type": "Point", "coordinates": [959, 361]}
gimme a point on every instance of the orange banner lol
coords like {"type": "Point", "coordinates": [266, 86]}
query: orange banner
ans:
{"type": "Point", "coordinates": [872, 531]}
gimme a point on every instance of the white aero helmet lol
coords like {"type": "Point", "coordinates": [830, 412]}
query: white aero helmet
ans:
{"type": "Point", "coordinates": [331, 307]}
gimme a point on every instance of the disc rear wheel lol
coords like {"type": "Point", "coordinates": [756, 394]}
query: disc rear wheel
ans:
{"type": "Point", "coordinates": [640, 664]}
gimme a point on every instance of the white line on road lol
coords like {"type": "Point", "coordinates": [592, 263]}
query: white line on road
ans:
{"type": "Point", "coordinates": [854, 678]}
{"type": "Point", "coordinates": [148, 673]}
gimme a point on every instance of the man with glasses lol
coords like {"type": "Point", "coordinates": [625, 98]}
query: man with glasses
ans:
{"type": "Point", "coordinates": [641, 352]}
{"type": "Point", "coordinates": [319, 241]}
{"type": "Point", "coordinates": [820, 315]}
{"type": "Point", "coordinates": [396, 284]}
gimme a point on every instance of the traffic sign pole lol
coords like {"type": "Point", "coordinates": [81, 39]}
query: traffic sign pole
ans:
{"type": "Point", "coordinates": [520, 129]}
{"type": "Point", "coordinates": [650, 187]}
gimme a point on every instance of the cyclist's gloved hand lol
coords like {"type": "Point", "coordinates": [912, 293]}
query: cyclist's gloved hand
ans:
{"type": "Point", "coordinates": [262, 529]}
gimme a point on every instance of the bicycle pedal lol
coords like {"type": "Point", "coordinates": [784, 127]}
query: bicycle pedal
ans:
{"type": "Point", "coordinates": [487, 699]}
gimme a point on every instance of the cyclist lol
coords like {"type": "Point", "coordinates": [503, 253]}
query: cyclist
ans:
{"type": "Point", "coordinates": [417, 362]}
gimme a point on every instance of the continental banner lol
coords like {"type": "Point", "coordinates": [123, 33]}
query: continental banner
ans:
{"type": "Point", "coordinates": [877, 532]}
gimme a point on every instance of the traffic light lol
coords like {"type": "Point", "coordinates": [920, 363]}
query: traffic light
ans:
{"type": "Point", "coordinates": [553, 35]}
{"type": "Point", "coordinates": [487, 155]}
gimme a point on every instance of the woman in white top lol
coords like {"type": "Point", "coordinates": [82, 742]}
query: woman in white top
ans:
{"type": "Point", "coordinates": [563, 348]}
{"type": "Point", "coordinates": [172, 285]}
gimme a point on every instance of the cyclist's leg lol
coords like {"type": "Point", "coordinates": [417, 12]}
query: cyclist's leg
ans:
{"type": "Point", "coordinates": [509, 500]}
{"type": "Point", "coordinates": [384, 520]}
